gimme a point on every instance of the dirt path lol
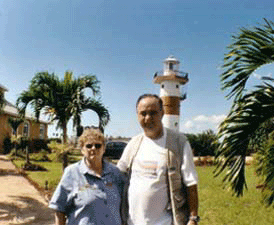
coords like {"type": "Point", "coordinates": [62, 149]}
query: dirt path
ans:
{"type": "Point", "coordinates": [20, 202]}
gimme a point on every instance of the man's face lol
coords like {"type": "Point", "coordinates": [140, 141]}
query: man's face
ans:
{"type": "Point", "coordinates": [150, 117]}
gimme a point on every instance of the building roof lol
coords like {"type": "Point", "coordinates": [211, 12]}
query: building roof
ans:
{"type": "Point", "coordinates": [171, 58]}
{"type": "Point", "coordinates": [11, 109]}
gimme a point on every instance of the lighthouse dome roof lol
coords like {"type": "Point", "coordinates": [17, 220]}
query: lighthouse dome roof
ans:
{"type": "Point", "coordinates": [171, 58]}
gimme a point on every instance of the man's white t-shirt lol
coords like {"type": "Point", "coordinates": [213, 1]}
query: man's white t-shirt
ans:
{"type": "Point", "coordinates": [147, 194]}
{"type": "Point", "coordinates": [148, 191]}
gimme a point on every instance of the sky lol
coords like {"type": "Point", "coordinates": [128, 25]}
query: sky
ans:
{"type": "Point", "coordinates": [124, 43]}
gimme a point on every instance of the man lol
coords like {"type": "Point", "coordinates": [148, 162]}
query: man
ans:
{"type": "Point", "coordinates": [155, 161]}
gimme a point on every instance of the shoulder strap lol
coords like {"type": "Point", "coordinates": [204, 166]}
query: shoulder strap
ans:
{"type": "Point", "coordinates": [175, 142]}
{"type": "Point", "coordinates": [177, 192]}
{"type": "Point", "coordinates": [133, 152]}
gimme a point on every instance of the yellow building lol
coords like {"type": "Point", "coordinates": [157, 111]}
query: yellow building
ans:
{"type": "Point", "coordinates": [29, 128]}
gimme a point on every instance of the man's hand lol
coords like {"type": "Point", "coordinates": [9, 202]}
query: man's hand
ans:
{"type": "Point", "coordinates": [60, 218]}
{"type": "Point", "coordinates": [191, 222]}
{"type": "Point", "coordinates": [192, 197]}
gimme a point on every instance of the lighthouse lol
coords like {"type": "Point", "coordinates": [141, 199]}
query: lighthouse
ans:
{"type": "Point", "coordinates": [171, 82]}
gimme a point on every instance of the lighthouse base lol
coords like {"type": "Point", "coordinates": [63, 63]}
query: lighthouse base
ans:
{"type": "Point", "coordinates": [171, 122]}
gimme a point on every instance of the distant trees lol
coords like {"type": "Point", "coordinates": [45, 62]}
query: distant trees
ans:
{"type": "Point", "coordinates": [63, 99]}
{"type": "Point", "coordinates": [204, 144]}
{"type": "Point", "coordinates": [252, 111]}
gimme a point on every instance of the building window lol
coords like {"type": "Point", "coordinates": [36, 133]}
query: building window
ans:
{"type": "Point", "coordinates": [26, 129]}
{"type": "Point", "coordinates": [42, 131]}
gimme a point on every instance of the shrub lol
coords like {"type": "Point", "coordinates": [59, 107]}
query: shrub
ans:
{"type": "Point", "coordinates": [36, 145]}
{"type": "Point", "coordinates": [33, 167]}
{"type": "Point", "coordinates": [7, 145]}
{"type": "Point", "coordinates": [203, 144]}
{"type": "Point", "coordinates": [13, 154]}
{"type": "Point", "coordinates": [42, 156]}
{"type": "Point", "coordinates": [59, 149]}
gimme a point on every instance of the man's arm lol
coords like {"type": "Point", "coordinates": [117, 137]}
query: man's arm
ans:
{"type": "Point", "coordinates": [60, 218]}
{"type": "Point", "coordinates": [191, 180]}
{"type": "Point", "coordinates": [192, 198]}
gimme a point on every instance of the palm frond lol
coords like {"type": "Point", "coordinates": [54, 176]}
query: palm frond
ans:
{"type": "Point", "coordinates": [14, 123]}
{"type": "Point", "coordinates": [250, 49]}
{"type": "Point", "coordinates": [237, 130]}
{"type": "Point", "coordinates": [100, 109]}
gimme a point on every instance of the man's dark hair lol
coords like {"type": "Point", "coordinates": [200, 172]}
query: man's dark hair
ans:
{"type": "Point", "coordinates": [150, 96]}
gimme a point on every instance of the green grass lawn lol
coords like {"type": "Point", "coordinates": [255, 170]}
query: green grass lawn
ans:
{"type": "Point", "coordinates": [217, 205]}
{"type": "Point", "coordinates": [53, 174]}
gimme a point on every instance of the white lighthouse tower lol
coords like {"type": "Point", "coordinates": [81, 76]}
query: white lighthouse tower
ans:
{"type": "Point", "coordinates": [171, 81]}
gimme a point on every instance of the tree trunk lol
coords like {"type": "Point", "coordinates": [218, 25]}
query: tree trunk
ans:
{"type": "Point", "coordinates": [64, 127]}
{"type": "Point", "coordinates": [65, 159]}
{"type": "Point", "coordinates": [15, 146]}
{"type": "Point", "coordinates": [27, 155]}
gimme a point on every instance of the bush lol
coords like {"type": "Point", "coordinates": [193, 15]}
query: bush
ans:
{"type": "Point", "coordinates": [23, 143]}
{"type": "Point", "coordinates": [12, 154]}
{"type": "Point", "coordinates": [204, 144]}
{"type": "Point", "coordinates": [7, 145]}
{"type": "Point", "coordinates": [36, 145]}
{"type": "Point", "coordinates": [33, 167]}
{"type": "Point", "coordinates": [59, 149]}
{"type": "Point", "coordinates": [41, 156]}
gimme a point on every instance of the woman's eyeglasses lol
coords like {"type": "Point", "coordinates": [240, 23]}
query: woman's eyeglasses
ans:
{"type": "Point", "coordinates": [97, 146]}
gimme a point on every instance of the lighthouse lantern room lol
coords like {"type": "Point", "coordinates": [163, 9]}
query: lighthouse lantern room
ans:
{"type": "Point", "coordinates": [171, 81]}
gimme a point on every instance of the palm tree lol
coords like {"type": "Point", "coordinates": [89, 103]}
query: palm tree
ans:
{"type": "Point", "coordinates": [15, 123]}
{"type": "Point", "coordinates": [63, 99]}
{"type": "Point", "coordinates": [251, 110]}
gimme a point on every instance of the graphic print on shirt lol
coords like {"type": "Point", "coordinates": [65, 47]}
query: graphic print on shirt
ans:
{"type": "Point", "coordinates": [148, 169]}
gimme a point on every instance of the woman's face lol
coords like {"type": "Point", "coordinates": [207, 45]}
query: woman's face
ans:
{"type": "Point", "coordinates": [93, 150]}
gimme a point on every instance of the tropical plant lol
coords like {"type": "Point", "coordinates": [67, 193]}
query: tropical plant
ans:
{"type": "Point", "coordinates": [265, 163]}
{"type": "Point", "coordinates": [63, 99]}
{"type": "Point", "coordinates": [14, 124]}
{"type": "Point", "coordinates": [251, 110]}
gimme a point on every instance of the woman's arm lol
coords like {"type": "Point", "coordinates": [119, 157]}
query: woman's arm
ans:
{"type": "Point", "coordinates": [60, 218]}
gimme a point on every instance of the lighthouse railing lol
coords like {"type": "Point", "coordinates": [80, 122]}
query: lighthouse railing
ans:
{"type": "Point", "coordinates": [171, 72]}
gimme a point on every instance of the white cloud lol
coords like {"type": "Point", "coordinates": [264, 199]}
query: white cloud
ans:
{"type": "Point", "coordinates": [200, 118]}
{"type": "Point", "coordinates": [189, 124]}
{"type": "Point", "coordinates": [202, 123]}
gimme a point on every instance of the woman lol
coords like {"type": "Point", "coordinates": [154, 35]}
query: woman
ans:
{"type": "Point", "coordinates": [90, 190]}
